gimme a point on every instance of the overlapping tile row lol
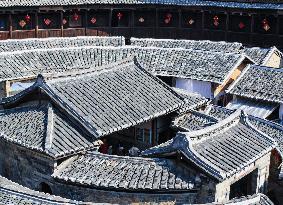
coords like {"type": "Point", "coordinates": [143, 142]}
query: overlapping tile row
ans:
{"type": "Point", "coordinates": [259, 55]}
{"type": "Point", "coordinates": [244, 4]}
{"type": "Point", "coordinates": [192, 64]}
{"type": "Point", "coordinates": [256, 199]}
{"type": "Point", "coordinates": [192, 100]}
{"type": "Point", "coordinates": [193, 120]}
{"type": "Point", "coordinates": [116, 97]}
{"type": "Point", "coordinates": [44, 129]}
{"type": "Point", "coordinates": [255, 83]}
{"type": "Point", "coordinates": [215, 46]}
{"type": "Point", "coordinates": [45, 43]}
{"type": "Point", "coordinates": [13, 193]}
{"type": "Point", "coordinates": [210, 148]}
{"type": "Point", "coordinates": [218, 112]}
{"type": "Point", "coordinates": [125, 173]}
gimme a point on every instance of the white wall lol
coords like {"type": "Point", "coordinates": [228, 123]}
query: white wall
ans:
{"type": "Point", "coordinates": [201, 87]}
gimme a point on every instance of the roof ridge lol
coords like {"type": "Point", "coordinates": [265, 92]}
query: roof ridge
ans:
{"type": "Point", "coordinates": [49, 128]}
{"type": "Point", "coordinates": [263, 67]}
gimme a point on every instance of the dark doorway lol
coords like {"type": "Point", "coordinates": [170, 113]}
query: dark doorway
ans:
{"type": "Point", "coordinates": [44, 187]}
{"type": "Point", "coordinates": [244, 186]}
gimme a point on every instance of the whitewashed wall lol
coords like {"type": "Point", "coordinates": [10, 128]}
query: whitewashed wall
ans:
{"type": "Point", "coordinates": [201, 87]}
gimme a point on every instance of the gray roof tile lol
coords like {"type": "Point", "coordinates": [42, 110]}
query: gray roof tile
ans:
{"type": "Point", "coordinates": [44, 129]}
{"type": "Point", "coordinates": [12, 45]}
{"type": "Point", "coordinates": [178, 62]}
{"type": "Point", "coordinates": [13, 193]}
{"type": "Point", "coordinates": [255, 83]}
{"type": "Point", "coordinates": [109, 98]}
{"type": "Point", "coordinates": [102, 171]}
{"type": "Point", "coordinates": [213, 148]}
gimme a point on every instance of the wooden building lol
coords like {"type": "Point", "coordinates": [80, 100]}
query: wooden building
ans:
{"type": "Point", "coordinates": [259, 24]}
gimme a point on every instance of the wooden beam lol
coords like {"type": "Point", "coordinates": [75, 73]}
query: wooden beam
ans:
{"type": "Point", "coordinates": [10, 26]}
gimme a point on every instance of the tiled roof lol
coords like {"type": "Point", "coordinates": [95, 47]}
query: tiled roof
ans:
{"type": "Point", "coordinates": [231, 4]}
{"type": "Point", "coordinates": [256, 199]}
{"type": "Point", "coordinates": [110, 98]}
{"type": "Point", "coordinates": [255, 83]}
{"type": "Point", "coordinates": [102, 171]}
{"type": "Point", "coordinates": [193, 120]}
{"type": "Point", "coordinates": [206, 45]}
{"type": "Point", "coordinates": [191, 99]}
{"type": "Point", "coordinates": [261, 55]}
{"type": "Point", "coordinates": [45, 43]}
{"type": "Point", "coordinates": [14, 194]}
{"type": "Point", "coordinates": [44, 129]}
{"type": "Point", "coordinates": [184, 63]}
{"type": "Point", "coordinates": [222, 149]}
{"type": "Point", "coordinates": [218, 112]}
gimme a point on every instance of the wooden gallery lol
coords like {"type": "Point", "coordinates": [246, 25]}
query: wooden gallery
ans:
{"type": "Point", "coordinates": [254, 24]}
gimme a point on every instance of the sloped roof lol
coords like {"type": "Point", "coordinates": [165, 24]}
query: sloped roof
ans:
{"type": "Point", "coordinates": [124, 173]}
{"type": "Point", "coordinates": [44, 129]}
{"type": "Point", "coordinates": [260, 83]}
{"type": "Point", "coordinates": [256, 199]}
{"type": "Point", "coordinates": [213, 148]}
{"type": "Point", "coordinates": [261, 55]}
{"type": "Point", "coordinates": [230, 4]}
{"type": "Point", "coordinates": [218, 112]}
{"type": "Point", "coordinates": [193, 120]}
{"type": "Point", "coordinates": [44, 43]}
{"type": "Point", "coordinates": [206, 45]}
{"type": "Point", "coordinates": [109, 98]}
{"type": "Point", "coordinates": [178, 62]}
{"type": "Point", "coordinates": [13, 193]}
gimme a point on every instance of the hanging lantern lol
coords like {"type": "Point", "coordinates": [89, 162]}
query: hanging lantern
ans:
{"type": "Point", "coordinates": [119, 16]}
{"type": "Point", "coordinates": [27, 18]}
{"type": "Point", "coordinates": [191, 21]}
{"type": "Point", "coordinates": [76, 17]}
{"type": "Point", "coordinates": [64, 21]}
{"type": "Point", "coordinates": [168, 18]}
{"type": "Point", "coordinates": [47, 21]}
{"type": "Point", "coordinates": [241, 25]}
{"type": "Point", "coordinates": [216, 21]}
{"type": "Point", "coordinates": [93, 20]}
{"type": "Point", "coordinates": [265, 24]}
{"type": "Point", "coordinates": [22, 23]}
{"type": "Point", "coordinates": [141, 20]}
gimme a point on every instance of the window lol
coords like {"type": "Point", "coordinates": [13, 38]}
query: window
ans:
{"type": "Point", "coordinates": [72, 19]}
{"type": "Point", "coordinates": [144, 135]}
{"type": "Point", "coordinates": [120, 18]}
{"type": "Point", "coordinates": [144, 18]}
{"type": "Point", "coordinates": [3, 23]}
{"type": "Point", "coordinates": [99, 18]}
{"type": "Point", "coordinates": [23, 21]}
{"type": "Point", "coordinates": [168, 19]}
{"type": "Point", "coordinates": [191, 19]}
{"type": "Point", "coordinates": [216, 21]}
{"type": "Point", "coordinates": [240, 23]}
{"type": "Point", "coordinates": [49, 21]}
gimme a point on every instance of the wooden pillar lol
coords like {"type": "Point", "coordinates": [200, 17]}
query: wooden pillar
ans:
{"type": "Point", "coordinates": [85, 21]}
{"type": "Point", "coordinates": [156, 22]}
{"type": "Point", "coordinates": [110, 21]}
{"type": "Point", "coordinates": [10, 26]}
{"type": "Point", "coordinates": [36, 24]}
{"type": "Point", "coordinates": [179, 24]}
{"type": "Point", "coordinates": [61, 23]}
{"type": "Point", "coordinates": [202, 24]}
{"type": "Point", "coordinates": [252, 29]}
{"type": "Point", "coordinates": [227, 25]}
{"type": "Point", "coordinates": [7, 88]}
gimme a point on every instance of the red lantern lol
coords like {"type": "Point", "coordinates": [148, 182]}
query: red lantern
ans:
{"type": "Point", "coordinates": [265, 24]}
{"type": "Point", "coordinates": [27, 18]}
{"type": "Point", "coordinates": [93, 20]}
{"type": "Point", "coordinates": [191, 21]}
{"type": "Point", "coordinates": [141, 19]}
{"type": "Point", "coordinates": [168, 18]}
{"type": "Point", "coordinates": [119, 16]}
{"type": "Point", "coordinates": [76, 17]}
{"type": "Point", "coordinates": [215, 21]}
{"type": "Point", "coordinates": [22, 23]}
{"type": "Point", "coordinates": [242, 25]}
